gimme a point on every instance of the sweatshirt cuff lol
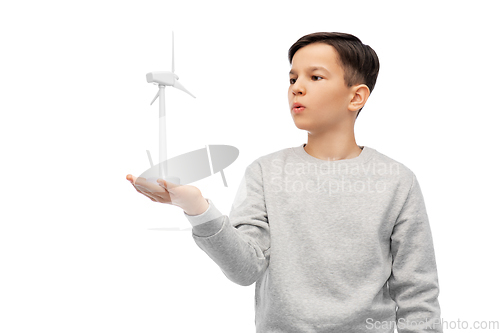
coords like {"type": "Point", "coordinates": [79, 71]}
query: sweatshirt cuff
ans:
{"type": "Point", "coordinates": [210, 214]}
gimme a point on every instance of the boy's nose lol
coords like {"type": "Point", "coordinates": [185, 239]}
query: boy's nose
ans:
{"type": "Point", "coordinates": [297, 91]}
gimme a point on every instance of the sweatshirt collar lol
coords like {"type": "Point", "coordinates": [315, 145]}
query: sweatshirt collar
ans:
{"type": "Point", "coordinates": [364, 156]}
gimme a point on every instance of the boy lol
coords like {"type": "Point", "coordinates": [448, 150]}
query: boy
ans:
{"type": "Point", "coordinates": [335, 235]}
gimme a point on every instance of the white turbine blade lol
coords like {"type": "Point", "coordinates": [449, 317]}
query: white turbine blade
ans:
{"type": "Point", "coordinates": [150, 159]}
{"type": "Point", "coordinates": [179, 86]}
{"type": "Point", "coordinates": [154, 99]}
{"type": "Point", "coordinates": [173, 70]}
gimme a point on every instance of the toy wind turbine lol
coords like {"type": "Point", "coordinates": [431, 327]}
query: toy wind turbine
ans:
{"type": "Point", "coordinates": [163, 79]}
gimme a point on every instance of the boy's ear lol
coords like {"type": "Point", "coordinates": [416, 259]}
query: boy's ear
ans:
{"type": "Point", "coordinates": [360, 94]}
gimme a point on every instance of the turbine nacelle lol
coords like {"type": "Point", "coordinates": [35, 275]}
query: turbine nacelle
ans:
{"type": "Point", "coordinates": [165, 78]}
{"type": "Point", "coordinates": [162, 77]}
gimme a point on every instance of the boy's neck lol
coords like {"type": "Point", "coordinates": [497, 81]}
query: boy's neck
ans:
{"type": "Point", "coordinates": [331, 147]}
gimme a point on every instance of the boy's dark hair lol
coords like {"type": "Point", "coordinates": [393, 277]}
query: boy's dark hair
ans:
{"type": "Point", "coordinates": [359, 61]}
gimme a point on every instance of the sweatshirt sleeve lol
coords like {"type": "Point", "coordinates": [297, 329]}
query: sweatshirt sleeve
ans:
{"type": "Point", "coordinates": [413, 284]}
{"type": "Point", "coordinates": [239, 243]}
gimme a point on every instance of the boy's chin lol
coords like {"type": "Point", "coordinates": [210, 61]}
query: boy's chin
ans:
{"type": "Point", "coordinates": [303, 127]}
{"type": "Point", "coordinates": [303, 124]}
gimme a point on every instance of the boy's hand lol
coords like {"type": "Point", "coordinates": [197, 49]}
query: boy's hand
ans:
{"type": "Point", "coordinates": [188, 197]}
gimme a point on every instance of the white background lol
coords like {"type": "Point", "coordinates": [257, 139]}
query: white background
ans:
{"type": "Point", "coordinates": [78, 249]}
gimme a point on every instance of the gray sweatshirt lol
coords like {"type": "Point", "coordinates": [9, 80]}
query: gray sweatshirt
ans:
{"type": "Point", "coordinates": [332, 246]}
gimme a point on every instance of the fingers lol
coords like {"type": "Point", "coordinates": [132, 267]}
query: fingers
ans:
{"type": "Point", "coordinates": [155, 192]}
{"type": "Point", "coordinates": [150, 196]}
{"type": "Point", "coordinates": [131, 178]}
{"type": "Point", "coordinates": [162, 183]}
{"type": "Point", "coordinates": [141, 181]}
{"type": "Point", "coordinates": [145, 192]}
{"type": "Point", "coordinates": [167, 185]}
{"type": "Point", "coordinates": [149, 186]}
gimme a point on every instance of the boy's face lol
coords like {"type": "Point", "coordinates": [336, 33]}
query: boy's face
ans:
{"type": "Point", "coordinates": [322, 91]}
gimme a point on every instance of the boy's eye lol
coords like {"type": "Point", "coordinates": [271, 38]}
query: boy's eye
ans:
{"type": "Point", "coordinates": [292, 81]}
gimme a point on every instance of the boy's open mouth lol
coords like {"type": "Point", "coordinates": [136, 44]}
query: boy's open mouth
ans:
{"type": "Point", "coordinates": [297, 107]}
